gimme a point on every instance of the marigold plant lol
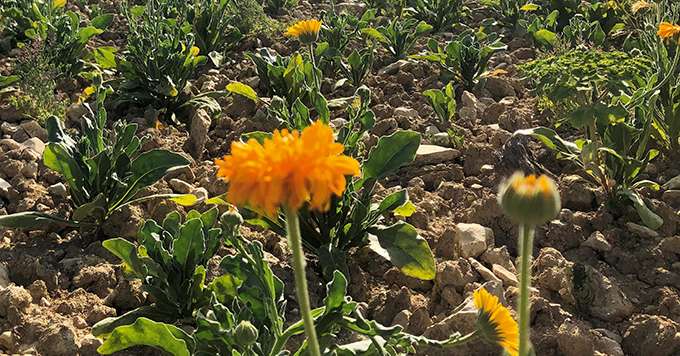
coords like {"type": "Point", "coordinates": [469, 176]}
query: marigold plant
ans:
{"type": "Point", "coordinates": [495, 322]}
{"type": "Point", "coordinates": [287, 170]}
{"type": "Point", "coordinates": [307, 31]}
{"type": "Point", "coordinates": [668, 30]}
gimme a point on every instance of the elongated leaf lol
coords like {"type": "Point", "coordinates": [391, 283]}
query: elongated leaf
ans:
{"type": "Point", "coordinates": [127, 252]}
{"type": "Point", "coordinates": [102, 21]}
{"type": "Point", "coordinates": [190, 244]}
{"type": "Point", "coordinates": [401, 244]}
{"type": "Point", "coordinates": [648, 217]}
{"type": "Point", "coordinates": [390, 153]}
{"type": "Point", "coordinates": [33, 220]}
{"type": "Point", "coordinates": [166, 337]}
{"type": "Point", "coordinates": [393, 201]}
{"type": "Point", "coordinates": [243, 89]}
{"type": "Point", "coordinates": [105, 56]}
{"type": "Point", "coordinates": [148, 168]}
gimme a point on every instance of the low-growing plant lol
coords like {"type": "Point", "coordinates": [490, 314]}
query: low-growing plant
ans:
{"type": "Point", "coordinates": [171, 260]}
{"type": "Point", "coordinates": [213, 28]}
{"type": "Point", "coordinates": [581, 78]}
{"type": "Point", "coordinates": [441, 14]}
{"type": "Point", "coordinates": [443, 102]}
{"type": "Point", "coordinates": [598, 94]}
{"type": "Point", "coordinates": [465, 59]}
{"type": "Point", "coordinates": [160, 58]}
{"type": "Point", "coordinates": [249, 16]}
{"type": "Point", "coordinates": [25, 19]}
{"type": "Point", "coordinates": [104, 170]}
{"type": "Point", "coordinates": [61, 32]}
{"type": "Point", "coordinates": [357, 66]}
{"type": "Point", "coordinates": [339, 29]}
{"type": "Point", "coordinates": [399, 35]}
{"type": "Point", "coordinates": [245, 314]}
{"type": "Point", "coordinates": [36, 83]}
{"type": "Point", "coordinates": [276, 7]}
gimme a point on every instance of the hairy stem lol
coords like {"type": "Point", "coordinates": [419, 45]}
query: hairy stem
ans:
{"type": "Point", "coordinates": [295, 242]}
{"type": "Point", "coordinates": [526, 234]}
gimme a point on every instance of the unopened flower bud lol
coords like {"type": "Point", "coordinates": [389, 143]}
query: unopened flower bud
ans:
{"type": "Point", "coordinates": [246, 333]}
{"type": "Point", "coordinates": [529, 200]}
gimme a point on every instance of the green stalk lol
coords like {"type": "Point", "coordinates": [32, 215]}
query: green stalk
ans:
{"type": "Point", "coordinates": [526, 234]}
{"type": "Point", "coordinates": [295, 242]}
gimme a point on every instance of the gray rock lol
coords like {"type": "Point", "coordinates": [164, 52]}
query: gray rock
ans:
{"type": "Point", "coordinates": [35, 144]}
{"type": "Point", "coordinates": [641, 231]}
{"type": "Point", "coordinates": [393, 68]}
{"type": "Point", "coordinates": [652, 335]}
{"type": "Point", "coordinates": [433, 154]}
{"type": "Point", "coordinates": [431, 131]}
{"type": "Point", "coordinates": [180, 186]}
{"type": "Point", "coordinates": [33, 129]}
{"type": "Point", "coordinates": [671, 197]}
{"type": "Point", "coordinates": [597, 242]}
{"type": "Point", "coordinates": [58, 190]}
{"type": "Point", "coordinates": [499, 87]}
{"type": "Point", "coordinates": [486, 273]}
{"type": "Point", "coordinates": [442, 139]}
{"type": "Point", "coordinates": [508, 278]}
{"type": "Point", "coordinates": [406, 112]}
{"type": "Point", "coordinates": [198, 133]}
{"type": "Point", "coordinates": [471, 240]}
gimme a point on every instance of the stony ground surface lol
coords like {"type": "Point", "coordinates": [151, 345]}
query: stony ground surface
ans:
{"type": "Point", "coordinates": [603, 284]}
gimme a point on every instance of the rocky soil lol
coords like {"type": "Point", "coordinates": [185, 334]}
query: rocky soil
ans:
{"type": "Point", "coordinates": [603, 283]}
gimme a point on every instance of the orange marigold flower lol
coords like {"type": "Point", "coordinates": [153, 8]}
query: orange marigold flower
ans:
{"type": "Point", "coordinates": [495, 322]}
{"type": "Point", "coordinates": [288, 169]}
{"type": "Point", "coordinates": [307, 31]}
{"type": "Point", "coordinates": [668, 30]}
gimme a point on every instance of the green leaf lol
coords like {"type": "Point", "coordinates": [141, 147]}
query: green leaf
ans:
{"type": "Point", "coordinates": [33, 220]}
{"type": "Point", "coordinates": [166, 337]}
{"type": "Point", "coordinates": [648, 217]}
{"type": "Point", "coordinates": [546, 38]}
{"type": "Point", "coordinates": [393, 201]}
{"type": "Point", "coordinates": [85, 33]}
{"type": "Point", "coordinates": [405, 210]}
{"type": "Point", "coordinates": [401, 244]}
{"type": "Point", "coordinates": [391, 153]}
{"type": "Point", "coordinates": [127, 252]}
{"type": "Point", "coordinates": [335, 292]}
{"type": "Point", "coordinates": [189, 246]}
{"type": "Point", "coordinates": [185, 199]}
{"type": "Point", "coordinates": [105, 56]}
{"type": "Point", "coordinates": [102, 21]}
{"type": "Point", "coordinates": [243, 89]}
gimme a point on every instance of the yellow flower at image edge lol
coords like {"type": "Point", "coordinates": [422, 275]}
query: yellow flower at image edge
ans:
{"type": "Point", "coordinates": [495, 322]}
{"type": "Point", "coordinates": [287, 170]}
{"type": "Point", "coordinates": [307, 31]}
{"type": "Point", "coordinates": [668, 30]}
{"type": "Point", "coordinates": [529, 199]}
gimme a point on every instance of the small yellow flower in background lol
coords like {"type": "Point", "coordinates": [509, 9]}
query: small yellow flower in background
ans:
{"type": "Point", "coordinates": [640, 5]}
{"type": "Point", "coordinates": [194, 51]}
{"type": "Point", "coordinates": [495, 322]}
{"type": "Point", "coordinates": [287, 170]}
{"type": "Point", "coordinates": [529, 200]}
{"type": "Point", "coordinates": [668, 30]}
{"type": "Point", "coordinates": [529, 7]}
{"type": "Point", "coordinates": [58, 4]}
{"type": "Point", "coordinates": [87, 92]}
{"type": "Point", "coordinates": [307, 31]}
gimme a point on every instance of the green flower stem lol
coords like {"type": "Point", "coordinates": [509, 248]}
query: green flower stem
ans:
{"type": "Point", "coordinates": [317, 81]}
{"type": "Point", "coordinates": [461, 340]}
{"type": "Point", "coordinates": [526, 234]}
{"type": "Point", "coordinates": [295, 244]}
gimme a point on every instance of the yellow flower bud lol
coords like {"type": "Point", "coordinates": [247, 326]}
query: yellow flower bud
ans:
{"type": "Point", "coordinates": [529, 200]}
